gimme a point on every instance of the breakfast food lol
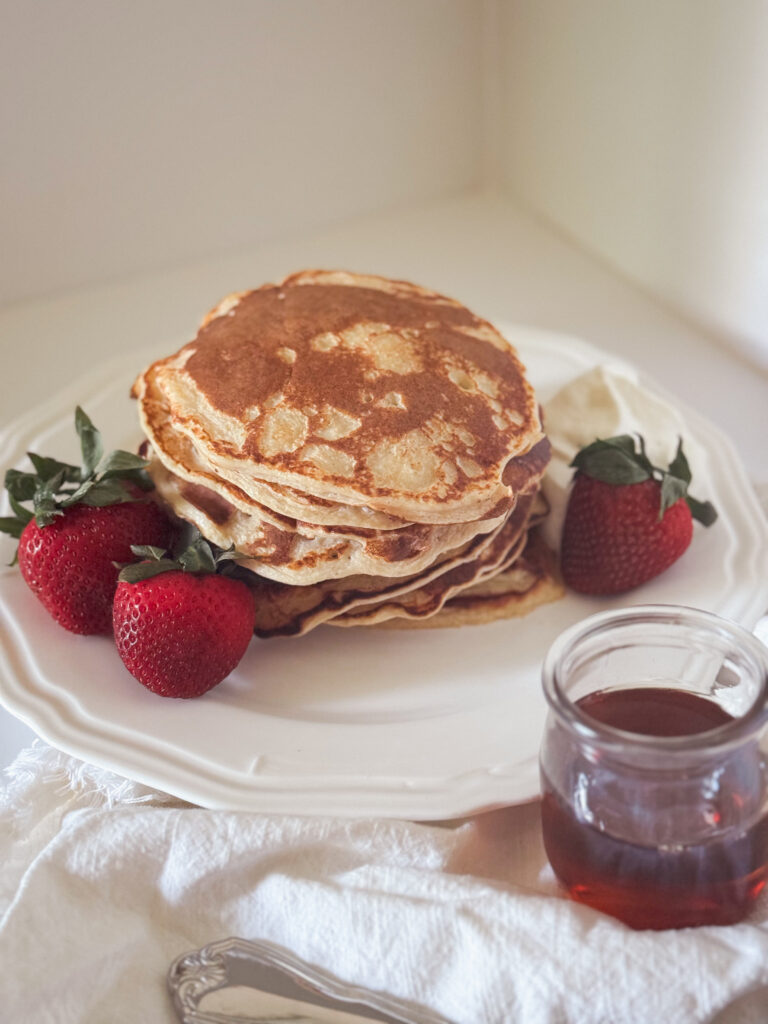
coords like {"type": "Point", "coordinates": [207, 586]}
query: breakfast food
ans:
{"type": "Point", "coordinates": [369, 448]}
{"type": "Point", "coordinates": [179, 626]}
{"type": "Point", "coordinates": [71, 564]}
{"type": "Point", "coordinates": [83, 520]}
{"type": "Point", "coordinates": [531, 580]}
{"type": "Point", "coordinates": [626, 520]}
{"type": "Point", "coordinates": [345, 450]}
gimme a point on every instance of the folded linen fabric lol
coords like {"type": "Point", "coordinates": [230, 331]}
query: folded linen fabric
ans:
{"type": "Point", "coordinates": [104, 882]}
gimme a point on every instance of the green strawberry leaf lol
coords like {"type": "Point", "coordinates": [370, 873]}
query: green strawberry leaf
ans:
{"type": "Point", "coordinates": [118, 463]}
{"type": "Point", "coordinates": [20, 485]}
{"type": "Point", "coordinates": [149, 551]}
{"type": "Point", "coordinates": [146, 570]}
{"type": "Point", "coordinates": [90, 442]}
{"type": "Point", "coordinates": [613, 460]}
{"type": "Point", "coordinates": [12, 526]}
{"type": "Point", "coordinates": [46, 511]}
{"type": "Point", "coordinates": [18, 509]}
{"type": "Point", "coordinates": [198, 557]}
{"type": "Point", "coordinates": [679, 465]}
{"type": "Point", "coordinates": [642, 457]}
{"type": "Point", "coordinates": [672, 490]}
{"type": "Point", "coordinates": [76, 496]}
{"type": "Point", "coordinates": [626, 442]}
{"type": "Point", "coordinates": [104, 492]}
{"type": "Point", "coordinates": [47, 468]}
{"type": "Point", "coordinates": [139, 477]}
{"type": "Point", "coordinates": [226, 555]}
{"type": "Point", "coordinates": [45, 492]}
{"type": "Point", "coordinates": [55, 486]}
{"type": "Point", "coordinates": [186, 536]}
{"type": "Point", "coordinates": [623, 460]}
{"type": "Point", "coordinates": [23, 514]}
{"type": "Point", "coordinates": [703, 512]}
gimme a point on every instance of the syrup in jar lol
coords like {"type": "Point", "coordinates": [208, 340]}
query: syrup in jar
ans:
{"type": "Point", "coordinates": [655, 788]}
{"type": "Point", "coordinates": [712, 881]}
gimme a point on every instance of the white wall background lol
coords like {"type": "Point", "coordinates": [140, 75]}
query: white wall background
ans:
{"type": "Point", "coordinates": [153, 133]}
{"type": "Point", "coordinates": [641, 129]}
{"type": "Point", "coordinates": [149, 133]}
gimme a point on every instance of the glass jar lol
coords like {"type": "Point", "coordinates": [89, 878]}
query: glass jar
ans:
{"type": "Point", "coordinates": [653, 766]}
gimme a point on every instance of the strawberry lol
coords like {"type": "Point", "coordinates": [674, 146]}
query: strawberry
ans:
{"type": "Point", "coordinates": [84, 519]}
{"type": "Point", "coordinates": [627, 520]}
{"type": "Point", "coordinates": [70, 564]}
{"type": "Point", "coordinates": [181, 627]}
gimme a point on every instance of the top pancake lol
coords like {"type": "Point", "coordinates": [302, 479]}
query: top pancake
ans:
{"type": "Point", "coordinates": [358, 390]}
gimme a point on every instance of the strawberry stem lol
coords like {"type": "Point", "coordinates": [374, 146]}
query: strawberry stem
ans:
{"type": "Point", "coordinates": [55, 486]}
{"type": "Point", "coordinates": [196, 556]}
{"type": "Point", "coordinates": [622, 460]}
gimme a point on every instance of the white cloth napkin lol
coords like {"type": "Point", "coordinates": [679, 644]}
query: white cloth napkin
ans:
{"type": "Point", "coordinates": [104, 882]}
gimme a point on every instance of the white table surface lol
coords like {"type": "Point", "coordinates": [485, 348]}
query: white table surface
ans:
{"type": "Point", "coordinates": [484, 250]}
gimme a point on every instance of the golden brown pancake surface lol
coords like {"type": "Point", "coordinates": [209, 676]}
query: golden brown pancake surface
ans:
{"type": "Point", "coordinates": [356, 389]}
{"type": "Point", "coordinates": [372, 449]}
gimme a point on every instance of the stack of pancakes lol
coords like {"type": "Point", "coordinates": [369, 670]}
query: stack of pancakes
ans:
{"type": "Point", "coordinates": [372, 450]}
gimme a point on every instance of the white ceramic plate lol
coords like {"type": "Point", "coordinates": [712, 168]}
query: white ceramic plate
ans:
{"type": "Point", "coordinates": [416, 724]}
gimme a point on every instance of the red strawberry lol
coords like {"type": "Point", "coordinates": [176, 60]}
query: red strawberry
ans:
{"type": "Point", "coordinates": [180, 632]}
{"type": "Point", "coordinates": [69, 564]}
{"type": "Point", "coordinates": [626, 520]}
{"type": "Point", "coordinates": [83, 519]}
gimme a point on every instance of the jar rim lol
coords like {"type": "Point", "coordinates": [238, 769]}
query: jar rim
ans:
{"type": "Point", "coordinates": [728, 734]}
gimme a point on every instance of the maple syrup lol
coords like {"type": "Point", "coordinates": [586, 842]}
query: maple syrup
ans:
{"type": "Point", "coordinates": [653, 766]}
{"type": "Point", "coordinates": [676, 885]}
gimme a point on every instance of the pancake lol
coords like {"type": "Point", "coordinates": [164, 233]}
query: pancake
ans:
{"type": "Point", "coordinates": [299, 553]}
{"type": "Point", "coordinates": [371, 449]}
{"type": "Point", "coordinates": [426, 600]}
{"type": "Point", "coordinates": [355, 390]}
{"type": "Point", "coordinates": [292, 611]}
{"type": "Point", "coordinates": [529, 582]}
{"type": "Point", "coordinates": [181, 456]}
